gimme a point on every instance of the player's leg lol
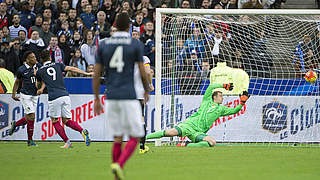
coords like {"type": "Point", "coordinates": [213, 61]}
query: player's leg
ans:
{"type": "Point", "coordinates": [60, 130]}
{"type": "Point", "coordinates": [164, 133]}
{"type": "Point", "coordinates": [143, 147]}
{"type": "Point", "coordinates": [115, 118]}
{"type": "Point", "coordinates": [130, 117]}
{"type": "Point", "coordinates": [29, 104]}
{"type": "Point", "coordinates": [66, 119]}
{"type": "Point", "coordinates": [201, 140]}
{"type": "Point", "coordinates": [14, 125]}
{"type": "Point", "coordinates": [116, 152]}
{"type": "Point", "coordinates": [55, 113]}
{"type": "Point", "coordinates": [30, 127]}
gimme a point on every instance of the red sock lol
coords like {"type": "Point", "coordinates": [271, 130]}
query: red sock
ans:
{"type": "Point", "coordinates": [116, 151]}
{"type": "Point", "coordinates": [74, 125]}
{"type": "Point", "coordinates": [21, 122]}
{"type": "Point", "coordinates": [127, 151]}
{"type": "Point", "coordinates": [30, 127]}
{"type": "Point", "coordinates": [60, 131]}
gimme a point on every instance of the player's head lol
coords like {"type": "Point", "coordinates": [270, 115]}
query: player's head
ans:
{"type": "Point", "coordinates": [123, 22]}
{"type": "Point", "coordinates": [217, 97]}
{"type": "Point", "coordinates": [45, 56]}
{"type": "Point", "coordinates": [30, 58]}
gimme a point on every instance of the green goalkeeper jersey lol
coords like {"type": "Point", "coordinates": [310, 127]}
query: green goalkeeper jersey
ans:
{"type": "Point", "coordinates": [209, 111]}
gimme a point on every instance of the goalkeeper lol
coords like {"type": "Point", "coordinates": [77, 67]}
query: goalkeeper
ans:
{"type": "Point", "coordinates": [198, 124]}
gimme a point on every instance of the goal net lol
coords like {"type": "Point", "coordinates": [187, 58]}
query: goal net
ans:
{"type": "Point", "coordinates": [275, 48]}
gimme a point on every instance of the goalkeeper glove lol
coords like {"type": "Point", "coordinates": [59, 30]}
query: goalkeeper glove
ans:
{"type": "Point", "coordinates": [228, 87]}
{"type": "Point", "coordinates": [244, 97]}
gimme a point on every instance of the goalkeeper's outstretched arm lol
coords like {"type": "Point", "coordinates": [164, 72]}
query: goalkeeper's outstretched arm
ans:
{"type": "Point", "coordinates": [211, 87]}
{"type": "Point", "coordinates": [230, 111]}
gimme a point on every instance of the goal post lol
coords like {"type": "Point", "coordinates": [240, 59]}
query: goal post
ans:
{"type": "Point", "coordinates": [275, 47]}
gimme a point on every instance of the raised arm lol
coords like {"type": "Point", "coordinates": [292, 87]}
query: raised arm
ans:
{"type": "Point", "coordinates": [211, 87]}
{"type": "Point", "coordinates": [243, 99]}
{"type": "Point", "coordinates": [230, 111]}
{"type": "Point", "coordinates": [74, 69]}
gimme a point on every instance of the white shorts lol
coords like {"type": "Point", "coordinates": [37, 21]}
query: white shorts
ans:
{"type": "Point", "coordinates": [29, 103]}
{"type": "Point", "coordinates": [60, 107]}
{"type": "Point", "coordinates": [124, 117]}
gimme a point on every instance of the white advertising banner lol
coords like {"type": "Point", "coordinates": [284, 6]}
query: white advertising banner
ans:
{"type": "Point", "coordinates": [82, 112]}
{"type": "Point", "coordinates": [262, 119]}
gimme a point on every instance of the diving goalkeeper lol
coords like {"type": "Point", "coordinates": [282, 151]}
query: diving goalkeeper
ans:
{"type": "Point", "coordinates": [198, 124]}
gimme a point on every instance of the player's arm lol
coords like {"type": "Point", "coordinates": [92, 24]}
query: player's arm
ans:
{"type": "Point", "coordinates": [15, 89]}
{"type": "Point", "coordinates": [145, 80]}
{"type": "Point", "coordinates": [211, 87]}
{"type": "Point", "coordinates": [40, 90]}
{"type": "Point", "coordinates": [229, 111]}
{"type": "Point", "coordinates": [96, 87]}
{"type": "Point", "coordinates": [77, 70]}
{"type": "Point", "coordinates": [149, 76]}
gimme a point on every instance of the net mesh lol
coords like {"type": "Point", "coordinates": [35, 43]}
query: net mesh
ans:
{"type": "Point", "coordinates": [275, 50]}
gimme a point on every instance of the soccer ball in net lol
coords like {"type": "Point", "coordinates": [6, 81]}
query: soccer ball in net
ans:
{"type": "Point", "coordinates": [311, 76]}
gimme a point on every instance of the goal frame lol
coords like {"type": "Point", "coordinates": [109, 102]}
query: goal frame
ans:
{"type": "Point", "coordinates": [158, 44]}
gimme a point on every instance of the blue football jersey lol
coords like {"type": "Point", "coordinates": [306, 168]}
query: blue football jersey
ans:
{"type": "Point", "coordinates": [118, 54]}
{"type": "Point", "coordinates": [51, 75]}
{"type": "Point", "coordinates": [25, 74]}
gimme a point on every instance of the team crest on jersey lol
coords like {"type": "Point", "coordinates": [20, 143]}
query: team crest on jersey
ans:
{"type": "Point", "coordinates": [274, 117]}
{"type": "Point", "coordinates": [4, 115]}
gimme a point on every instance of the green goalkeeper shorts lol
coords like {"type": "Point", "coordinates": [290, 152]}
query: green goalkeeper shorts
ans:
{"type": "Point", "coordinates": [185, 130]}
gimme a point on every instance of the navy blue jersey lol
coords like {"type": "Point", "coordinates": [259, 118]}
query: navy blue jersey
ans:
{"type": "Point", "coordinates": [51, 75]}
{"type": "Point", "coordinates": [25, 74]}
{"type": "Point", "coordinates": [118, 55]}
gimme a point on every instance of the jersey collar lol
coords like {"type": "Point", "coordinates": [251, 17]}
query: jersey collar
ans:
{"type": "Point", "coordinates": [27, 66]}
{"type": "Point", "coordinates": [121, 34]}
{"type": "Point", "coordinates": [47, 62]}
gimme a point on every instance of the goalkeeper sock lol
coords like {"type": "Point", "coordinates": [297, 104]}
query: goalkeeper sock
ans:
{"type": "Point", "coordinates": [143, 139]}
{"type": "Point", "coordinates": [199, 144]}
{"type": "Point", "coordinates": [156, 135]}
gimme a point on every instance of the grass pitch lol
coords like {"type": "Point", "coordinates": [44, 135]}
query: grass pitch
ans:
{"type": "Point", "coordinates": [49, 162]}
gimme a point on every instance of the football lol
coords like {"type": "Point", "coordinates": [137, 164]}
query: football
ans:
{"type": "Point", "coordinates": [311, 76]}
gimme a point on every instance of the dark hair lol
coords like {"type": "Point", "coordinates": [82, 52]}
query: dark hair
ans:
{"type": "Point", "coordinates": [215, 93]}
{"type": "Point", "coordinates": [122, 21]}
{"type": "Point", "coordinates": [2, 63]}
{"type": "Point", "coordinates": [22, 31]}
{"type": "Point", "coordinates": [39, 15]}
{"type": "Point", "coordinates": [15, 39]}
{"type": "Point", "coordinates": [26, 54]}
{"type": "Point", "coordinates": [45, 56]}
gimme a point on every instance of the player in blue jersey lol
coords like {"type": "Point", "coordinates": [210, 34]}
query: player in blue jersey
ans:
{"type": "Point", "coordinates": [58, 97]}
{"type": "Point", "coordinates": [118, 56]}
{"type": "Point", "coordinates": [28, 94]}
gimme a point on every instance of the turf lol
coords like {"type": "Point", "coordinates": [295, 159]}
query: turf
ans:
{"type": "Point", "coordinates": [48, 161]}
